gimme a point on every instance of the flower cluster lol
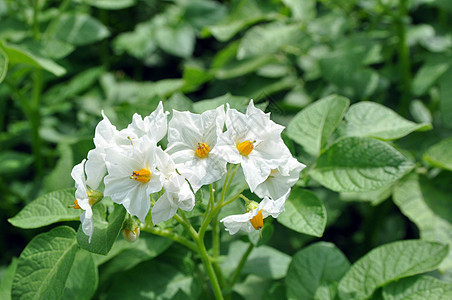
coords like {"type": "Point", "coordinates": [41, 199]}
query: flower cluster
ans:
{"type": "Point", "coordinates": [133, 166]}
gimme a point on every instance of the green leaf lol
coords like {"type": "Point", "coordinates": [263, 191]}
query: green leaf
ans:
{"type": "Point", "coordinates": [3, 65]}
{"type": "Point", "coordinates": [302, 10]}
{"type": "Point", "coordinates": [445, 98]}
{"type": "Point", "coordinates": [18, 55]}
{"type": "Point", "coordinates": [105, 231]}
{"type": "Point", "coordinates": [304, 213]}
{"type": "Point", "coordinates": [111, 4]}
{"type": "Point", "coordinates": [145, 248]}
{"type": "Point", "coordinates": [440, 154]}
{"type": "Point", "coordinates": [7, 280]}
{"type": "Point", "coordinates": [12, 162]}
{"type": "Point", "coordinates": [356, 164]}
{"type": "Point", "coordinates": [418, 288]}
{"type": "Point", "coordinates": [375, 120]}
{"type": "Point", "coordinates": [420, 111]}
{"type": "Point", "coordinates": [315, 271]}
{"type": "Point", "coordinates": [312, 127]}
{"type": "Point", "coordinates": [80, 29]}
{"type": "Point", "coordinates": [47, 209]}
{"type": "Point", "coordinates": [374, 197]}
{"type": "Point", "coordinates": [388, 263]}
{"type": "Point", "coordinates": [428, 206]}
{"type": "Point", "coordinates": [267, 39]}
{"type": "Point", "coordinates": [264, 261]}
{"type": "Point", "coordinates": [83, 278]}
{"type": "Point", "coordinates": [44, 265]}
{"type": "Point", "coordinates": [428, 74]}
{"type": "Point", "coordinates": [153, 280]}
{"type": "Point", "coordinates": [176, 40]}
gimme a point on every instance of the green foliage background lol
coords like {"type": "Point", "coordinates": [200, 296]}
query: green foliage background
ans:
{"type": "Point", "coordinates": [377, 144]}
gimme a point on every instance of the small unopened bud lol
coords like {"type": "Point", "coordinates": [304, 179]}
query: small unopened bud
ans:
{"type": "Point", "coordinates": [131, 235]}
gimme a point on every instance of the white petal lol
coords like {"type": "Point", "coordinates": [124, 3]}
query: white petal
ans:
{"type": "Point", "coordinates": [95, 167]}
{"type": "Point", "coordinates": [164, 209]}
{"type": "Point", "coordinates": [256, 170]}
{"type": "Point", "coordinates": [234, 223]}
{"type": "Point", "coordinates": [86, 218]}
{"type": "Point", "coordinates": [271, 207]}
{"type": "Point", "coordinates": [78, 175]}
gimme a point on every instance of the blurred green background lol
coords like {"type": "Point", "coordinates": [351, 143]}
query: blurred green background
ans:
{"type": "Point", "coordinates": [63, 62]}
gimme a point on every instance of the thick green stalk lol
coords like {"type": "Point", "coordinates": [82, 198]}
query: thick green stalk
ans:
{"type": "Point", "coordinates": [209, 269]}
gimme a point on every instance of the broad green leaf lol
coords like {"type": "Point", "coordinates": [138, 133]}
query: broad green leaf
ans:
{"type": "Point", "coordinates": [111, 4]}
{"type": "Point", "coordinates": [13, 163]}
{"type": "Point", "coordinates": [48, 209]}
{"type": "Point", "coordinates": [388, 263]}
{"type": "Point", "coordinates": [302, 10]}
{"type": "Point", "coordinates": [445, 100]}
{"type": "Point", "coordinates": [176, 40]}
{"type": "Point", "coordinates": [315, 271]}
{"type": "Point", "coordinates": [428, 74]}
{"type": "Point", "coordinates": [440, 154]}
{"type": "Point", "coordinates": [80, 29]}
{"type": "Point", "coordinates": [428, 206]}
{"type": "Point", "coordinates": [200, 13]}
{"type": "Point", "coordinates": [153, 280]}
{"type": "Point", "coordinates": [356, 164]}
{"type": "Point", "coordinates": [312, 127]}
{"type": "Point", "coordinates": [83, 278]}
{"type": "Point", "coordinates": [375, 120]}
{"type": "Point", "coordinates": [7, 280]}
{"type": "Point", "coordinates": [253, 287]}
{"type": "Point", "coordinates": [304, 213]}
{"type": "Point", "coordinates": [235, 68]}
{"type": "Point", "coordinates": [418, 288]}
{"type": "Point", "coordinates": [3, 65]}
{"type": "Point", "coordinates": [266, 39]}
{"type": "Point", "coordinates": [264, 261]}
{"type": "Point", "coordinates": [145, 248]}
{"type": "Point", "coordinates": [105, 231]}
{"type": "Point", "coordinates": [44, 265]}
{"type": "Point", "coordinates": [19, 55]}
{"type": "Point", "coordinates": [374, 197]}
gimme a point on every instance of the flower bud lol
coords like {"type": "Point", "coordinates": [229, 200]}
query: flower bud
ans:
{"type": "Point", "coordinates": [131, 235]}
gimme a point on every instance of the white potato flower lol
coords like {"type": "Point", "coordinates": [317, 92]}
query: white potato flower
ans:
{"type": "Point", "coordinates": [133, 176]}
{"type": "Point", "coordinates": [177, 190]}
{"type": "Point", "coordinates": [154, 126]}
{"type": "Point", "coordinates": [255, 214]}
{"type": "Point", "coordinates": [83, 199]}
{"type": "Point", "coordinates": [254, 141]}
{"type": "Point", "coordinates": [192, 139]}
{"type": "Point", "coordinates": [280, 180]}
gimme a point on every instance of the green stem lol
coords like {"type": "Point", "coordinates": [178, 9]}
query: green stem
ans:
{"type": "Point", "coordinates": [35, 121]}
{"type": "Point", "coordinates": [209, 269]}
{"type": "Point", "coordinates": [172, 236]}
{"type": "Point", "coordinates": [35, 20]}
{"type": "Point", "coordinates": [404, 57]}
{"type": "Point", "coordinates": [240, 266]}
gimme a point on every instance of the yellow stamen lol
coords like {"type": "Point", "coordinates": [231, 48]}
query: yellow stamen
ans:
{"type": "Point", "coordinates": [257, 221]}
{"type": "Point", "coordinates": [143, 175]}
{"type": "Point", "coordinates": [245, 148]}
{"type": "Point", "coordinates": [202, 150]}
{"type": "Point", "coordinates": [76, 206]}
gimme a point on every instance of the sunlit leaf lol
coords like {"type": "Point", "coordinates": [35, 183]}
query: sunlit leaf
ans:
{"type": "Point", "coordinates": [80, 29]}
{"type": "Point", "coordinates": [418, 288]}
{"type": "Point", "coordinates": [315, 271]}
{"type": "Point", "coordinates": [44, 265]}
{"type": "Point", "coordinates": [360, 164]}
{"type": "Point", "coordinates": [312, 127]}
{"type": "Point", "coordinates": [7, 280]}
{"type": "Point", "coordinates": [440, 154]}
{"type": "Point", "coordinates": [48, 209]}
{"type": "Point", "coordinates": [82, 279]}
{"type": "Point", "coordinates": [304, 213]}
{"type": "Point", "coordinates": [111, 4]}
{"type": "Point", "coordinates": [388, 263]}
{"type": "Point", "coordinates": [3, 65]}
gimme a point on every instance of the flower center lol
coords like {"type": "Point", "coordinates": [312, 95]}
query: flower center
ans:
{"type": "Point", "coordinates": [245, 148]}
{"type": "Point", "coordinates": [76, 206]}
{"type": "Point", "coordinates": [202, 150]}
{"type": "Point", "coordinates": [143, 175]}
{"type": "Point", "coordinates": [257, 221]}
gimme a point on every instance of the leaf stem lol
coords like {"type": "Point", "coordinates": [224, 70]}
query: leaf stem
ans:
{"type": "Point", "coordinates": [241, 264]}
{"type": "Point", "coordinates": [172, 236]}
